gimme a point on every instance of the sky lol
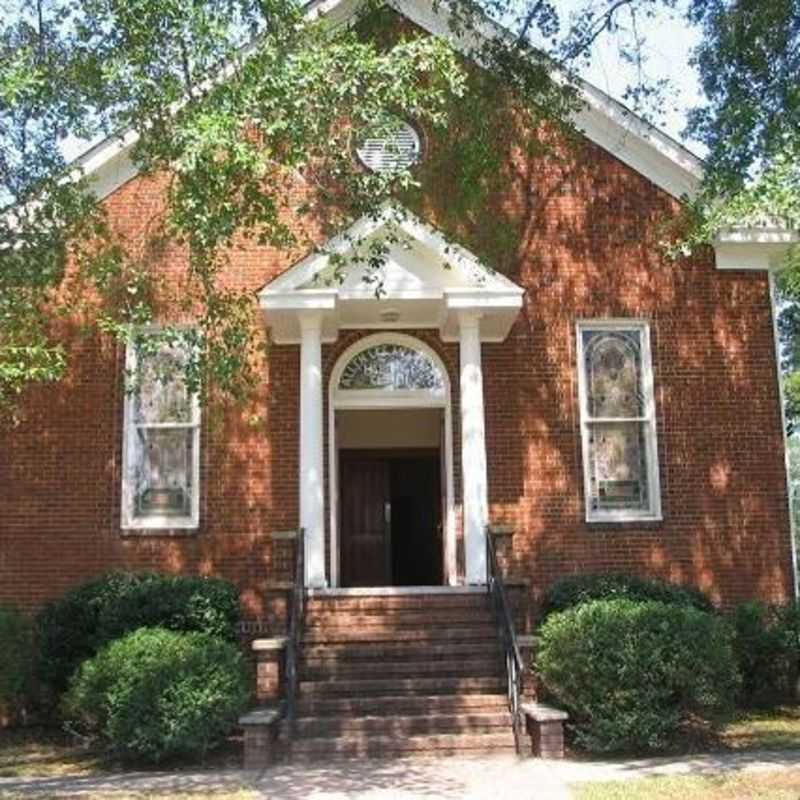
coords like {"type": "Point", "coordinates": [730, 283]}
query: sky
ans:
{"type": "Point", "coordinates": [670, 41]}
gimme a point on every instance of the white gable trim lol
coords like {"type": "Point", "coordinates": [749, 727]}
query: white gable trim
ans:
{"type": "Point", "coordinates": [603, 120]}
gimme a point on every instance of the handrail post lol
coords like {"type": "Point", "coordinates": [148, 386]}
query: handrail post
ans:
{"type": "Point", "coordinates": [505, 623]}
{"type": "Point", "coordinates": [295, 627]}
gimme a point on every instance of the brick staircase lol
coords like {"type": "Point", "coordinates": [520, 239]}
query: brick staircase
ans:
{"type": "Point", "coordinates": [391, 675]}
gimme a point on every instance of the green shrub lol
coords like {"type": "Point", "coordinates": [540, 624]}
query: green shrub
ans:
{"type": "Point", "coordinates": [156, 693]}
{"type": "Point", "coordinates": [767, 645]}
{"type": "Point", "coordinates": [789, 620]}
{"type": "Point", "coordinates": [569, 592]}
{"type": "Point", "coordinates": [16, 664]}
{"type": "Point", "coordinates": [630, 672]}
{"type": "Point", "coordinates": [76, 626]}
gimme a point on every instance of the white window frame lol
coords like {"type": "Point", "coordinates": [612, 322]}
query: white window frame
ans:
{"type": "Point", "coordinates": [129, 519]}
{"type": "Point", "coordinates": [648, 420]}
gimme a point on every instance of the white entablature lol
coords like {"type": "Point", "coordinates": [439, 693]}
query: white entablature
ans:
{"type": "Point", "coordinates": [425, 282]}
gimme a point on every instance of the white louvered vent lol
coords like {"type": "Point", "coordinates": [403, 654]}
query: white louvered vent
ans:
{"type": "Point", "coordinates": [396, 150]}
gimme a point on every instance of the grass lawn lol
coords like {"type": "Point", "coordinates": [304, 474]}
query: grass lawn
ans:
{"type": "Point", "coordinates": [44, 752]}
{"type": "Point", "coordinates": [773, 729]}
{"type": "Point", "coordinates": [783, 785]}
{"type": "Point", "coordinates": [777, 729]}
{"type": "Point", "coordinates": [49, 753]}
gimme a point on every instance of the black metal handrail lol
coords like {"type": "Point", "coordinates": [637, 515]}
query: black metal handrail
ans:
{"type": "Point", "coordinates": [295, 629]}
{"type": "Point", "coordinates": [505, 623]}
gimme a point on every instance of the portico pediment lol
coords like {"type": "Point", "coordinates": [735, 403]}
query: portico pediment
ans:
{"type": "Point", "coordinates": [423, 281]}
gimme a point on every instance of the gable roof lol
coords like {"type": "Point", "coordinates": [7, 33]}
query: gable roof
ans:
{"type": "Point", "coordinates": [603, 120]}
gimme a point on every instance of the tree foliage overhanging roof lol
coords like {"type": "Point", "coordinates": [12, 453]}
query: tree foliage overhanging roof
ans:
{"type": "Point", "coordinates": [76, 69]}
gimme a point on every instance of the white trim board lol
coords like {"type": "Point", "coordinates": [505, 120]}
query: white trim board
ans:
{"type": "Point", "coordinates": [393, 591]}
{"type": "Point", "coordinates": [603, 120]}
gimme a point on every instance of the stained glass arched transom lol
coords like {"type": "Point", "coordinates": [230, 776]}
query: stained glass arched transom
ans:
{"type": "Point", "coordinates": [391, 367]}
{"type": "Point", "coordinates": [614, 371]}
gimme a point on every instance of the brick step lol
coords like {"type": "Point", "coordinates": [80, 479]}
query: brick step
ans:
{"type": "Point", "coordinates": [377, 603]}
{"type": "Point", "coordinates": [414, 725]}
{"type": "Point", "coordinates": [475, 667]}
{"type": "Point", "coordinates": [346, 653]}
{"type": "Point", "coordinates": [432, 635]}
{"type": "Point", "coordinates": [400, 617]}
{"type": "Point", "coordinates": [355, 746]}
{"type": "Point", "coordinates": [386, 705]}
{"type": "Point", "coordinates": [397, 686]}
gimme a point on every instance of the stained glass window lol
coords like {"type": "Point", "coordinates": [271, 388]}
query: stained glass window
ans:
{"type": "Point", "coordinates": [391, 367]}
{"type": "Point", "coordinates": [162, 439]}
{"type": "Point", "coordinates": [618, 422]}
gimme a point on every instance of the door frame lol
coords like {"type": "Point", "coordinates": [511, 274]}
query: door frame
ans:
{"type": "Point", "coordinates": [372, 399]}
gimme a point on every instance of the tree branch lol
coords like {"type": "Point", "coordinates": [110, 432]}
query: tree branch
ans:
{"type": "Point", "coordinates": [595, 31]}
{"type": "Point", "coordinates": [530, 17]}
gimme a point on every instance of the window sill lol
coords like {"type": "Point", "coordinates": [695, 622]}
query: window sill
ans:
{"type": "Point", "coordinates": [625, 520]}
{"type": "Point", "coordinates": [173, 528]}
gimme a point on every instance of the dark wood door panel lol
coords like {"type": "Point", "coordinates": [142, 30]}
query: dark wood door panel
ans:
{"type": "Point", "coordinates": [416, 521]}
{"type": "Point", "coordinates": [364, 521]}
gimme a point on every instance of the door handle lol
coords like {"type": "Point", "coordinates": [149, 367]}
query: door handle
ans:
{"type": "Point", "coordinates": [387, 512]}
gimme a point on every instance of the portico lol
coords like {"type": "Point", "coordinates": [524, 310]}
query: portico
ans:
{"type": "Point", "coordinates": [422, 282]}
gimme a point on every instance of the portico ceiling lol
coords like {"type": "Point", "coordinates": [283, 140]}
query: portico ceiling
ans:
{"type": "Point", "coordinates": [425, 282]}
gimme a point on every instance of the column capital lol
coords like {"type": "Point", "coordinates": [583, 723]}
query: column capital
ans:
{"type": "Point", "coordinates": [469, 319]}
{"type": "Point", "coordinates": [310, 320]}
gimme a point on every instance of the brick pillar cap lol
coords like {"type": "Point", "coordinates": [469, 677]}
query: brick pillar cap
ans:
{"type": "Point", "coordinates": [273, 643]}
{"type": "Point", "coordinates": [261, 716]}
{"type": "Point", "coordinates": [542, 713]}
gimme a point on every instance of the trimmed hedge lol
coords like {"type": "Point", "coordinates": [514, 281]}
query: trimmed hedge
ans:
{"type": "Point", "coordinates": [155, 694]}
{"type": "Point", "coordinates": [16, 664]}
{"type": "Point", "coordinates": [630, 672]}
{"type": "Point", "coordinates": [767, 648]}
{"type": "Point", "coordinates": [570, 592]}
{"type": "Point", "coordinates": [76, 626]}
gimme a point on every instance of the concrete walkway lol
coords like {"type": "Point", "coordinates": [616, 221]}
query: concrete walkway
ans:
{"type": "Point", "coordinates": [701, 764]}
{"type": "Point", "coordinates": [478, 778]}
{"type": "Point", "coordinates": [494, 777]}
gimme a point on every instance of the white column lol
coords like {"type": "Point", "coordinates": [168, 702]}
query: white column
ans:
{"type": "Point", "coordinates": [312, 504]}
{"type": "Point", "coordinates": [473, 448]}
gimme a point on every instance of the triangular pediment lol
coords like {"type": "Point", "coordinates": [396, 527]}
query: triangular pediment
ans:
{"type": "Point", "coordinates": [408, 267]}
{"type": "Point", "coordinates": [422, 280]}
{"type": "Point", "coordinates": [418, 259]}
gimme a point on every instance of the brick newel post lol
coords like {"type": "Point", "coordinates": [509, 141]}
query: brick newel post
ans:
{"type": "Point", "coordinates": [270, 669]}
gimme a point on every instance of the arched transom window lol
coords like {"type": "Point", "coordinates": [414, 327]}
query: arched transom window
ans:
{"type": "Point", "coordinates": [391, 367]}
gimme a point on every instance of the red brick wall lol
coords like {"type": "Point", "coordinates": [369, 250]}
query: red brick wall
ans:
{"type": "Point", "coordinates": [585, 244]}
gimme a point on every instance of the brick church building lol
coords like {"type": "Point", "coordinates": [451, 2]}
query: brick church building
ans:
{"type": "Point", "coordinates": [592, 403]}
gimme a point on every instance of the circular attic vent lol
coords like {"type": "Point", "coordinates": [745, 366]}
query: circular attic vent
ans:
{"type": "Point", "coordinates": [396, 149]}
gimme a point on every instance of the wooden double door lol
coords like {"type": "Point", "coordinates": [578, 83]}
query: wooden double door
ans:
{"type": "Point", "coordinates": [390, 518]}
